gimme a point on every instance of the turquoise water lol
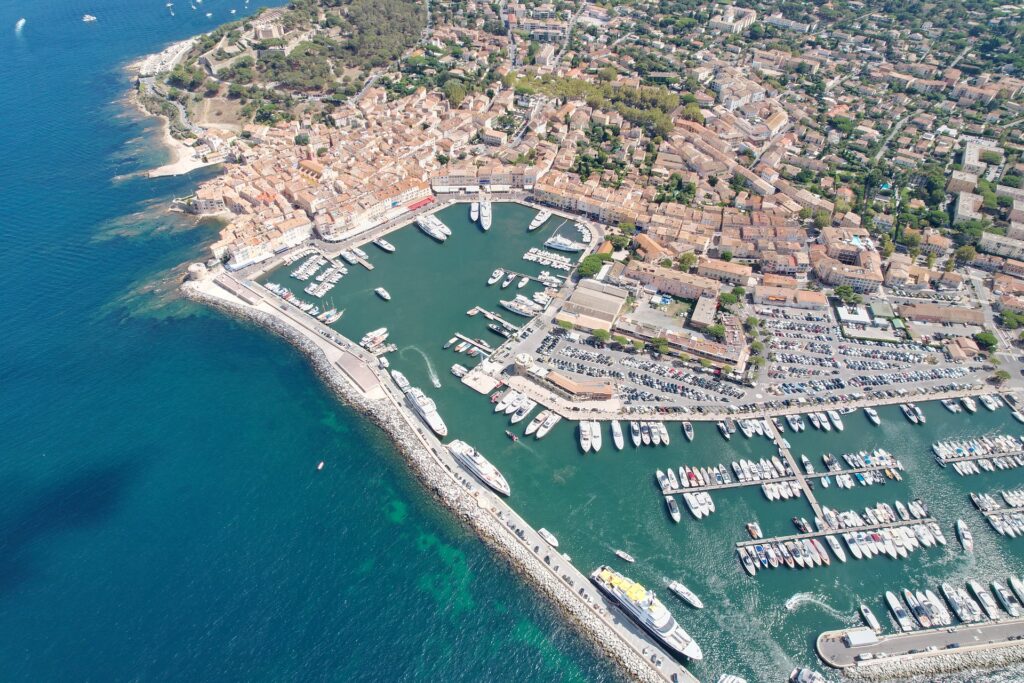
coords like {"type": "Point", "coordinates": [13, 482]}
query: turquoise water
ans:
{"type": "Point", "coordinates": [161, 516]}
{"type": "Point", "coordinates": [595, 504]}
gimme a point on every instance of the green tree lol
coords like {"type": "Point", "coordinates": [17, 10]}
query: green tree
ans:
{"type": "Point", "coordinates": [565, 325]}
{"type": "Point", "coordinates": [687, 260]}
{"type": "Point", "coordinates": [454, 91]}
{"type": "Point", "coordinates": [965, 254]}
{"type": "Point", "coordinates": [601, 335]}
{"type": "Point", "coordinates": [717, 331]}
{"type": "Point", "coordinates": [986, 340]}
{"type": "Point", "coordinates": [822, 219]}
{"type": "Point", "coordinates": [1000, 376]}
{"type": "Point", "coordinates": [591, 265]}
{"type": "Point", "coordinates": [726, 255]}
{"type": "Point", "coordinates": [847, 295]}
{"type": "Point", "coordinates": [627, 228]}
{"type": "Point", "coordinates": [301, 139]}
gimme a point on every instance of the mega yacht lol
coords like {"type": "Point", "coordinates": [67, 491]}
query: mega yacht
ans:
{"type": "Point", "coordinates": [539, 220]}
{"type": "Point", "coordinates": [645, 609]}
{"type": "Point", "coordinates": [474, 211]}
{"type": "Point", "coordinates": [617, 438]}
{"type": "Point", "coordinates": [427, 410]}
{"type": "Point", "coordinates": [485, 215]}
{"type": "Point", "coordinates": [686, 594]}
{"type": "Point", "coordinates": [495, 276]}
{"type": "Point", "coordinates": [563, 244]}
{"type": "Point", "coordinates": [482, 469]}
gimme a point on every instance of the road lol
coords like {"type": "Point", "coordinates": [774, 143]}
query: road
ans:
{"type": "Point", "coordinates": [888, 138]}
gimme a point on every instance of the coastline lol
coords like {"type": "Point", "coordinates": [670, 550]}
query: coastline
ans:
{"type": "Point", "coordinates": [441, 484]}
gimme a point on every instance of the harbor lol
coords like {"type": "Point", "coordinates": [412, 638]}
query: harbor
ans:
{"type": "Point", "coordinates": [600, 503]}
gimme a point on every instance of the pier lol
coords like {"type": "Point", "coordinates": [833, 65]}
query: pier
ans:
{"type": "Point", "coordinates": [776, 480]}
{"type": "Point", "coordinates": [478, 344]}
{"type": "Point", "coordinates": [492, 316]}
{"type": "Point", "coordinates": [986, 456]}
{"type": "Point", "coordinates": [785, 453]}
{"type": "Point", "coordinates": [934, 642]}
{"type": "Point", "coordinates": [832, 532]}
{"type": "Point", "coordinates": [363, 262]}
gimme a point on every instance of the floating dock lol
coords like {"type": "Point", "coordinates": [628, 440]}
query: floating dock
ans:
{"type": "Point", "coordinates": [834, 532]}
{"type": "Point", "coordinates": [776, 480]}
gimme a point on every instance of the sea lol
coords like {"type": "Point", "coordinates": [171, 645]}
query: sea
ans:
{"type": "Point", "coordinates": [162, 516]}
{"type": "Point", "coordinates": [161, 513]}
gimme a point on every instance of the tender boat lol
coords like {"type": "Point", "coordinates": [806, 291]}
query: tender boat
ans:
{"type": "Point", "coordinates": [673, 509]}
{"type": "Point", "coordinates": [969, 404]}
{"type": "Point", "coordinates": [663, 430]}
{"type": "Point", "coordinates": [724, 431]}
{"type": "Point", "coordinates": [869, 618]}
{"type": "Point", "coordinates": [474, 211]}
{"type": "Point", "coordinates": [617, 438]}
{"type": "Point", "coordinates": [622, 554]}
{"type": "Point", "coordinates": [909, 413]}
{"type": "Point", "coordinates": [384, 244]}
{"type": "Point", "coordinates": [548, 537]}
{"type": "Point", "coordinates": [686, 594]}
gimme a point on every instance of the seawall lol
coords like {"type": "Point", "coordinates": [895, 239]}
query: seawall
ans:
{"type": "Point", "coordinates": [442, 484]}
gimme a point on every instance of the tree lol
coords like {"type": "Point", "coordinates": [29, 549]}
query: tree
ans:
{"type": "Point", "coordinates": [716, 331]}
{"type": "Point", "coordinates": [687, 260]}
{"type": "Point", "coordinates": [756, 348]}
{"type": "Point", "coordinates": [726, 255]}
{"type": "Point", "coordinates": [728, 299]}
{"type": "Point", "coordinates": [454, 91]}
{"type": "Point", "coordinates": [822, 219]}
{"type": "Point", "coordinates": [847, 295]}
{"type": "Point", "coordinates": [601, 335]}
{"type": "Point", "coordinates": [1000, 376]}
{"type": "Point", "coordinates": [591, 265]}
{"type": "Point", "coordinates": [751, 323]}
{"type": "Point", "coordinates": [965, 254]}
{"type": "Point", "coordinates": [301, 139]}
{"type": "Point", "coordinates": [986, 340]}
{"type": "Point", "coordinates": [727, 369]}
{"type": "Point", "coordinates": [565, 325]}
{"type": "Point", "coordinates": [627, 228]}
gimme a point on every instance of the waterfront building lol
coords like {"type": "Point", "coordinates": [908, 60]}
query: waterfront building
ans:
{"type": "Point", "coordinates": [672, 282]}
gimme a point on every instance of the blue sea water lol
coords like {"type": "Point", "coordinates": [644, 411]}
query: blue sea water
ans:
{"type": "Point", "coordinates": [161, 515]}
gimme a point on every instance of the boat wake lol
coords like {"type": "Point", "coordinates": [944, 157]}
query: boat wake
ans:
{"type": "Point", "coordinates": [810, 598]}
{"type": "Point", "coordinates": [434, 379]}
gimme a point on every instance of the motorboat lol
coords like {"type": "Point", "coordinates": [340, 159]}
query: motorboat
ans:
{"type": "Point", "coordinates": [617, 437]}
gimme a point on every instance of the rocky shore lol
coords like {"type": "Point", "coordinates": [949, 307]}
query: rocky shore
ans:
{"type": "Point", "coordinates": [927, 668]}
{"type": "Point", "coordinates": [445, 488]}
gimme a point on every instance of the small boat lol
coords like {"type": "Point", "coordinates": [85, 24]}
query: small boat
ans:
{"type": "Point", "coordinates": [523, 281]}
{"type": "Point", "coordinates": [548, 537]}
{"type": "Point", "coordinates": [663, 430]}
{"type": "Point", "coordinates": [724, 431]}
{"type": "Point", "coordinates": [383, 293]}
{"type": "Point", "coordinates": [88, 18]}
{"type": "Point", "coordinates": [645, 433]}
{"type": "Point", "coordinates": [508, 280]}
{"type": "Point", "coordinates": [622, 554]}
{"type": "Point", "coordinates": [673, 509]}
{"type": "Point", "coordinates": [449, 343]}
{"type": "Point", "coordinates": [495, 276]}
{"type": "Point", "coordinates": [688, 431]}
{"type": "Point", "coordinates": [686, 594]}
{"type": "Point", "coordinates": [965, 536]}
{"type": "Point", "coordinates": [512, 436]}
{"type": "Point", "coordinates": [595, 435]}
{"type": "Point", "coordinates": [872, 415]}
{"type": "Point", "coordinates": [474, 211]}
{"type": "Point", "coordinates": [869, 618]}
{"type": "Point", "coordinates": [909, 413]}
{"type": "Point", "coordinates": [320, 466]}
{"type": "Point", "coordinates": [969, 404]}
{"type": "Point", "coordinates": [384, 244]}
{"type": "Point", "coordinates": [458, 370]}
{"type": "Point", "coordinates": [617, 438]}
{"type": "Point", "coordinates": [634, 433]}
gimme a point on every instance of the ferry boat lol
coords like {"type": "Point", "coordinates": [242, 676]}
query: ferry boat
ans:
{"type": "Point", "coordinates": [485, 215]}
{"type": "Point", "coordinates": [688, 431]}
{"type": "Point", "coordinates": [548, 537]}
{"type": "Point", "coordinates": [872, 415]}
{"type": "Point", "coordinates": [427, 410]}
{"type": "Point", "coordinates": [686, 594]}
{"type": "Point", "coordinates": [673, 509]}
{"type": "Point", "coordinates": [474, 211]}
{"type": "Point", "coordinates": [969, 404]}
{"type": "Point", "coordinates": [495, 276]}
{"type": "Point", "coordinates": [617, 438]}
{"type": "Point", "coordinates": [539, 220]}
{"type": "Point", "coordinates": [385, 245]}
{"type": "Point", "coordinates": [595, 435]}
{"type": "Point", "coordinates": [479, 466]}
{"type": "Point", "coordinates": [383, 293]}
{"type": "Point", "coordinates": [548, 425]}
{"type": "Point", "coordinates": [964, 534]}
{"type": "Point", "coordinates": [634, 433]}
{"type": "Point", "coordinates": [869, 618]}
{"type": "Point", "coordinates": [645, 609]}
{"type": "Point", "coordinates": [563, 244]}
{"type": "Point", "coordinates": [584, 428]}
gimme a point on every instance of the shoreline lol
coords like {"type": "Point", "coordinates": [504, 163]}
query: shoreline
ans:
{"type": "Point", "coordinates": [444, 489]}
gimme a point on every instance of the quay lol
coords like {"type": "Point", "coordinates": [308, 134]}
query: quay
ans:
{"type": "Point", "coordinates": [774, 480]}
{"type": "Point", "coordinates": [832, 532]}
{"type": "Point", "coordinates": [945, 641]}
{"type": "Point", "coordinates": [492, 316]}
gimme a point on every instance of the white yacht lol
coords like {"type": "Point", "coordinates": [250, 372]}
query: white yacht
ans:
{"type": "Point", "coordinates": [634, 433]}
{"type": "Point", "coordinates": [584, 428]}
{"type": "Point", "coordinates": [485, 215]}
{"type": "Point", "coordinates": [872, 415]}
{"type": "Point", "coordinates": [688, 431]}
{"type": "Point", "coordinates": [563, 244]}
{"type": "Point", "coordinates": [645, 609]}
{"type": "Point", "coordinates": [837, 421]}
{"type": "Point", "coordinates": [495, 276]}
{"type": "Point", "coordinates": [595, 435]}
{"type": "Point", "coordinates": [384, 244]}
{"type": "Point", "coordinates": [479, 466]}
{"type": "Point", "coordinates": [539, 220]}
{"type": "Point", "coordinates": [686, 594]}
{"type": "Point", "coordinates": [383, 293]}
{"type": "Point", "coordinates": [474, 211]}
{"type": "Point", "coordinates": [427, 410]}
{"type": "Point", "coordinates": [400, 381]}
{"type": "Point", "coordinates": [617, 437]}
{"type": "Point", "coordinates": [969, 404]}
{"type": "Point", "coordinates": [537, 421]}
{"type": "Point", "coordinates": [548, 537]}
{"type": "Point", "coordinates": [549, 422]}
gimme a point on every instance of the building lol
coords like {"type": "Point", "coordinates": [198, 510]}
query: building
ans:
{"type": "Point", "coordinates": [733, 19]}
{"type": "Point", "coordinates": [1001, 245]}
{"type": "Point", "coordinates": [766, 295]}
{"type": "Point", "coordinates": [938, 313]}
{"type": "Point", "coordinates": [703, 314]}
{"type": "Point", "coordinates": [725, 271]}
{"type": "Point", "coordinates": [672, 282]}
{"type": "Point", "coordinates": [593, 306]}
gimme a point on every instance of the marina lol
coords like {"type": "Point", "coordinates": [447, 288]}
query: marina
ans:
{"type": "Point", "coordinates": [635, 523]}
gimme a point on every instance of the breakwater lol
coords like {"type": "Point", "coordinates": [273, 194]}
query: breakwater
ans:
{"type": "Point", "coordinates": [446, 488]}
